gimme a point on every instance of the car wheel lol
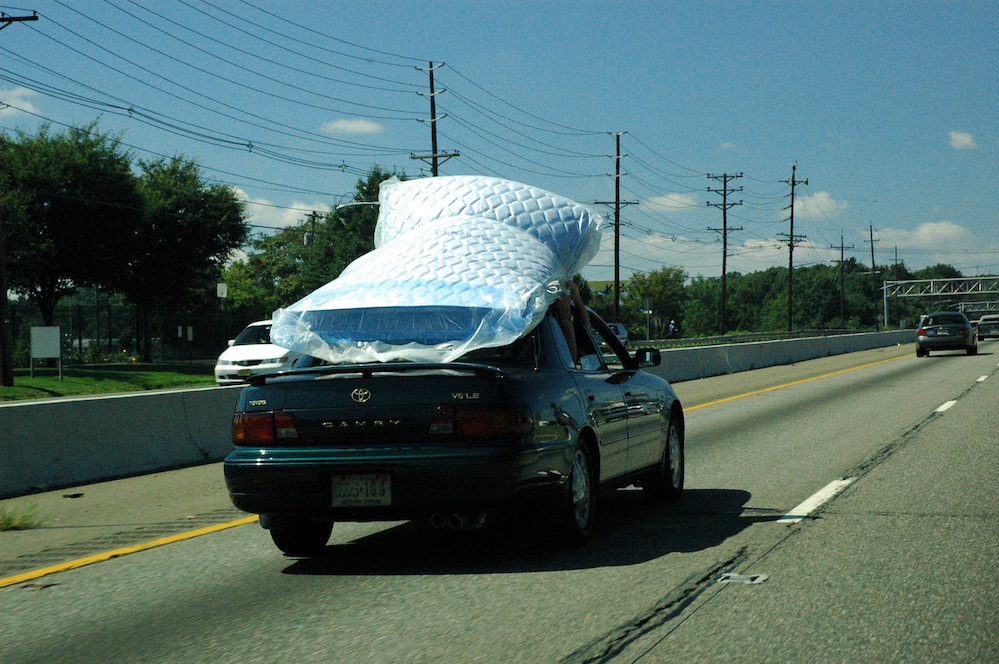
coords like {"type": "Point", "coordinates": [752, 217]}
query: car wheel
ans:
{"type": "Point", "coordinates": [973, 350]}
{"type": "Point", "coordinates": [921, 353]}
{"type": "Point", "coordinates": [665, 482]}
{"type": "Point", "coordinates": [302, 537]}
{"type": "Point", "coordinates": [576, 522]}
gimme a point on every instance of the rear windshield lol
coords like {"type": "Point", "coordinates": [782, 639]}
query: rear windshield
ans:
{"type": "Point", "coordinates": [519, 353]}
{"type": "Point", "coordinates": [944, 319]}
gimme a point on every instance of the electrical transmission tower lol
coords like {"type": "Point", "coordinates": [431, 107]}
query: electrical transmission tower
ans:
{"type": "Point", "coordinates": [792, 239]}
{"type": "Point", "coordinates": [434, 156]}
{"type": "Point", "coordinates": [842, 279]}
{"type": "Point", "coordinates": [724, 230]}
{"type": "Point", "coordinates": [617, 203]}
{"type": "Point", "coordinates": [874, 277]}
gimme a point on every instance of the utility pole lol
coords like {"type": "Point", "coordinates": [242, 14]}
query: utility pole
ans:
{"type": "Point", "coordinates": [842, 279]}
{"type": "Point", "coordinates": [434, 156]}
{"type": "Point", "coordinates": [310, 237]}
{"type": "Point", "coordinates": [6, 358]}
{"type": "Point", "coordinates": [617, 202]}
{"type": "Point", "coordinates": [791, 241]}
{"type": "Point", "coordinates": [874, 278]}
{"type": "Point", "coordinates": [724, 205]}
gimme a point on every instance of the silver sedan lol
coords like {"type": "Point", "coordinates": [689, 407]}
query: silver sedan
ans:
{"type": "Point", "coordinates": [946, 330]}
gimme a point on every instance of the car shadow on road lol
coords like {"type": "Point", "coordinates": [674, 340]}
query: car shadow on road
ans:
{"type": "Point", "coordinates": [628, 531]}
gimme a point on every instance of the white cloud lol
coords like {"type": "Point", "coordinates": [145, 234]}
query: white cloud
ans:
{"type": "Point", "coordinates": [351, 126]}
{"type": "Point", "coordinates": [18, 100]}
{"type": "Point", "coordinates": [818, 206]}
{"type": "Point", "coordinates": [932, 235]}
{"type": "Point", "coordinates": [263, 212]}
{"type": "Point", "coordinates": [960, 140]}
{"type": "Point", "coordinates": [670, 202]}
{"type": "Point", "coordinates": [728, 146]}
{"type": "Point", "coordinates": [700, 258]}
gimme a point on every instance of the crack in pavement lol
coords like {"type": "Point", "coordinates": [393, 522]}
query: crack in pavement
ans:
{"type": "Point", "coordinates": [671, 605]}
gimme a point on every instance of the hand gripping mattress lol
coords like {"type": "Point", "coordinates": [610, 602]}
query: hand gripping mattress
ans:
{"type": "Point", "coordinates": [460, 263]}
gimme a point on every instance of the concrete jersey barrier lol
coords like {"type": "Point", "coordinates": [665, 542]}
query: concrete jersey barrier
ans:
{"type": "Point", "coordinates": [65, 442]}
{"type": "Point", "coordinates": [682, 364]}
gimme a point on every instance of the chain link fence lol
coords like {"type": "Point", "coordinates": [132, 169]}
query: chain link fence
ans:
{"type": "Point", "coordinates": [107, 333]}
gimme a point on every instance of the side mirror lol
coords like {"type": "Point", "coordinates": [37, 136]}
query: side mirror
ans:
{"type": "Point", "coordinates": [648, 357]}
{"type": "Point", "coordinates": [232, 341]}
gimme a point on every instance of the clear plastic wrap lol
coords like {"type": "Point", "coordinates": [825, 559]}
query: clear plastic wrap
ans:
{"type": "Point", "coordinates": [460, 263]}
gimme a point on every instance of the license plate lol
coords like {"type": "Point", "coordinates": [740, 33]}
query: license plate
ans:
{"type": "Point", "coordinates": [243, 372]}
{"type": "Point", "coordinates": [362, 490]}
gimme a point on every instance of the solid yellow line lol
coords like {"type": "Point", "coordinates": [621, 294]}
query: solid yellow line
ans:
{"type": "Point", "coordinates": [797, 382]}
{"type": "Point", "coordinates": [100, 557]}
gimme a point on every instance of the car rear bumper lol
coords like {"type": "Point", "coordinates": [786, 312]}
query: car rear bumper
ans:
{"type": "Point", "coordinates": [424, 480]}
{"type": "Point", "coordinates": [953, 342]}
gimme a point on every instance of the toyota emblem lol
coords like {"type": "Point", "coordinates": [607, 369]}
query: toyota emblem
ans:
{"type": "Point", "coordinates": [360, 395]}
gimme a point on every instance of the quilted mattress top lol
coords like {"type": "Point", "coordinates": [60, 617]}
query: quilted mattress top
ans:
{"type": "Point", "coordinates": [460, 263]}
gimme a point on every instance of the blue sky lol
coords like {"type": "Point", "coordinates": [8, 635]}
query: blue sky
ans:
{"type": "Point", "coordinates": [887, 109]}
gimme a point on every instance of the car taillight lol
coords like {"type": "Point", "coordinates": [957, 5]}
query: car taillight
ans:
{"type": "Point", "coordinates": [480, 422]}
{"type": "Point", "coordinates": [921, 332]}
{"type": "Point", "coordinates": [965, 330]}
{"type": "Point", "coordinates": [263, 428]}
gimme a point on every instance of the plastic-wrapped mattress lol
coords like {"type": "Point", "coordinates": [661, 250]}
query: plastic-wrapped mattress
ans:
{"type": "Point", "coordinates": [460, 263]}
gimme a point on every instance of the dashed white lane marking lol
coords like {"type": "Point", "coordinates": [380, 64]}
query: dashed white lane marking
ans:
{"type": "Point", "coordinates": [945, 407]}
{"type": "Point", "coordinates": [816, 501]}
{"type": "Point", "coordinates": [982, 379]}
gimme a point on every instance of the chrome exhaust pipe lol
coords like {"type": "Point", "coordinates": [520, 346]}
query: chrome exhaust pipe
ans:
{"type": "Point", "coordinates": [438, 521]}
{"type": "Point", "coordinates": [456, 521]}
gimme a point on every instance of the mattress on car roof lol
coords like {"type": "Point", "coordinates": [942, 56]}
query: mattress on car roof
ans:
{"type": "Point", "coordinates": [460, 263]}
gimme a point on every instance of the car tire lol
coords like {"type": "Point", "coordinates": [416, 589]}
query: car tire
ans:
{"type": "Point", "coordinates": [922, 353]}
{"type": "Point", "coordinates": [302, 537]}
{"type": "Point", "coordinates": [665, 483]}
{"type": "Point", "coordinates": [576, 521]}
{"type": "Point", "coordinates": [973, 350]}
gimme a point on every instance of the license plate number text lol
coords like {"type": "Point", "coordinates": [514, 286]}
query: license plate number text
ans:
{"type": "Point", "coordinates": [362, 490]}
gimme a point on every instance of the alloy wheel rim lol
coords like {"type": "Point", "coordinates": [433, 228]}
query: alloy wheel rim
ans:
{"type": "Point", "coordinates": [581, 489]}
{"type": "Point", "coordinates": [675, 459]}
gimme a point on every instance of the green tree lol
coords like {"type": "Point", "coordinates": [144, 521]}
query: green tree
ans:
{"type": "Point", "coordinates": [702, 307]}
{"type": "Point", "coordinates": [189, 229]}
{"type": "Point", "coordinates": [281, 269]}
{"type": "Point", "coordinates": [70, 204]}
{"type": "Point", "coordinates": [938, 271]}
{"type": "Point", "coordinates": [271, 276]}
{"type": "Point", "coordinates": [664, 288]}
